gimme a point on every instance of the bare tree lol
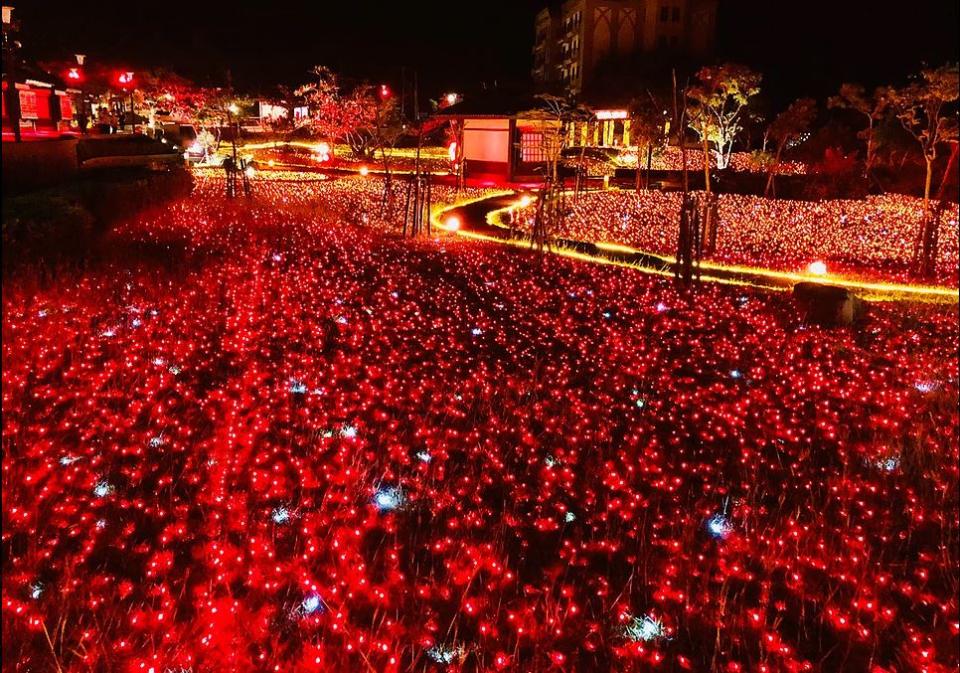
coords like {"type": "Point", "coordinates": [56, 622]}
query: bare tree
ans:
{"type": "Point", "coordinates": [648, 123]}
{"type": "Point", "coordinates": [874, 107]}
{"type": "Point", "coordinates": [920, 108]}
{"type": "Point", "coordinates": [555, 115]}
{"type": "Point", "coordinates": [786, 127]}
{"type": "Point", "coordinates": [717, 104]}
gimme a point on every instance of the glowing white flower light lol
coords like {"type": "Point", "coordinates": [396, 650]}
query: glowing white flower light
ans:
{"type": "Point", "coordinates": [926, 386]}
{"type": "Point", "coordinates": [388, 498]}
{"type": "Point", "coordinates": [888, 464]}
{"type": "Point", "coordinates": [341, 320]}
{"type": "Point", "coordinates": [311, 603]}
{"type": "Point", "coordinates": [644, 629]}
{"type": "Point", "coordinates": [156, 441]}
{"type": "Point", "coordinates": [159, 362]}
{"type": "Point", "coordinates": [476, 331]}
{"type": "Point", "coordinates": [569, 517]}
{"type": "Point", "coordinates": [68, 460]}
{"type": "Point", "coordinates": [661, 307]}
{"type": "Point", "coordinates": [735, 373]}
{"type": "Point", "coordinates": [719, 526]}
{"type": "Point", "coordinates": [297, 387]}
{"type": "Point", "coordinates": [348, 431]}
{"type": "Point", "coordinates": [817, 268]}
{"type": "Point", "coordinates": [36, 590]}
{"type": "Point", "coordinates": [424, 456]}
{"type": "Point", "coordinates": [280, 514]}
{"type": "Point", "coordinates": [108, 333]}
{"type": "Point", "coordinates": [550, 461]}
{"type": "Point", "coordinates": [102, 488]}
{"type": "Point", "coordinates": [445, 655]}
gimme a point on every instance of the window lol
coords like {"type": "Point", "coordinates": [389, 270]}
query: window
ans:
{"type": "Point", "coordinates": [676, 15]}
{"type": "Point", "coordinates": [664, 13]}
{"type": "Point", "coordinates": [531, 147]}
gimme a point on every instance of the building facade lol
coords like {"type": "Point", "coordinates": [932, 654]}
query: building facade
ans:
{"type": "Point", "coordinates": [574, 37]}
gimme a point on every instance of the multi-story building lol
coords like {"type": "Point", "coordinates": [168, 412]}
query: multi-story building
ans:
{"type": "Point", "coordinates": [574, 37]}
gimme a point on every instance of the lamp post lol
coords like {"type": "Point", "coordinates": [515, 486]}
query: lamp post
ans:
{"type": "Point", "coordinates": [83, 102]}
{"type": "Point", "coordinates": [232, 111]}
{"type": "Point", "coordinates": [10, 61]}
{"type": "Point", "coordinates": [125, 80]}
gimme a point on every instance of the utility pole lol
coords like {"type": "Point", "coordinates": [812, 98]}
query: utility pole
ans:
{"type": "Point", "coordinates": [416, 99]}
{"type": "Point", "coordinates": [10, 61]}
{"type": "Point", "coordinates": [403, 92]}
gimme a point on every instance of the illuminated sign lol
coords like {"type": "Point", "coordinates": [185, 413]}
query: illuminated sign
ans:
{"type": "Point", "coordinates": [66, 107]}
{"type": "Point", "coordinates": [29, 108]}
{"type": "Point", "coordinates": [611, 114]}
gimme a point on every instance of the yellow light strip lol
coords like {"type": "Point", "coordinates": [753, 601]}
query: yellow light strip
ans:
{"type": "Point", "coordinates": [952, 295]}
{"type": "Point", "coordinates": [400, 152]}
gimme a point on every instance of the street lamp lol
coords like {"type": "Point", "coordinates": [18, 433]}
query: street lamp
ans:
{"type": "Point", "coordinates": [236, 167]}
{"type": "Point", "coordinates": [10, 63]}
{"type": "Point", "coordinates": [75, 76]}
{"type": "Point", "coordinates": [125, 80]}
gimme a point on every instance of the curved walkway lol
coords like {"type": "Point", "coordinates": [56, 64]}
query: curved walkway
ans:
{"type": "Point", "coordinates": [482, 219]}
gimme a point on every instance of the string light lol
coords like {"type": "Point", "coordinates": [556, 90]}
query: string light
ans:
{"type": "Point", "coordinates": [869, 239]}
{"type": "Point", "coordinates": [575, 461]}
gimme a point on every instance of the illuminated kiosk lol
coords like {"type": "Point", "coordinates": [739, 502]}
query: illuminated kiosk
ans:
{"type": "Point", "coordinates": [503, 141]}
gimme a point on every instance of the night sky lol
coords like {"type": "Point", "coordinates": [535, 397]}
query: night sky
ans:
{"type": "Point", "coordinates": [803, 47]}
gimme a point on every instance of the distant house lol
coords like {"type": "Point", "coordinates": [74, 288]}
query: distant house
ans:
{"type": "Point", "coordinates": [47, 106]}
{"type": "Point", "coordinates": [498, 137]}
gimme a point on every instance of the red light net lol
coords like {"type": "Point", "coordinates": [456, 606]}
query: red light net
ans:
{"type": "Point", "coordinates": [256, 438]}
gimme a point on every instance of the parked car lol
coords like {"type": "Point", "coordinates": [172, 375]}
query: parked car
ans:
{"type": "Point", "coordinates": [184, 138]}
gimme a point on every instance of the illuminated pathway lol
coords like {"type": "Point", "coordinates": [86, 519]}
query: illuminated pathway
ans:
{"type": "Point", "coordinates": [483, 219]}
